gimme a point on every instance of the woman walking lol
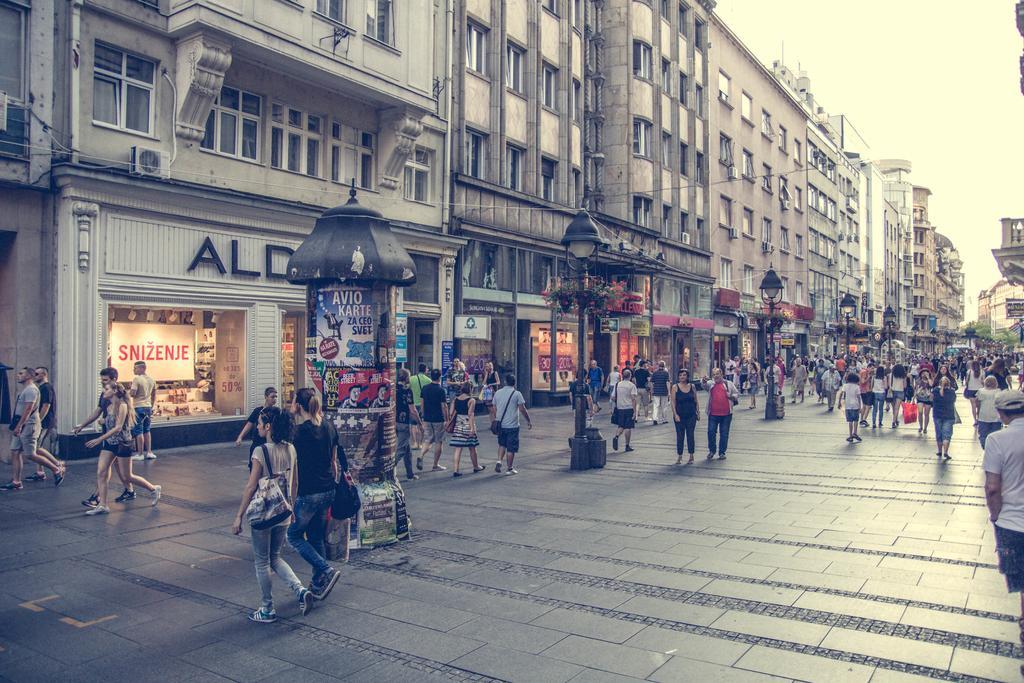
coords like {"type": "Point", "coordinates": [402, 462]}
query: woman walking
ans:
{"type": "Point", "coordinates": [897, 392]}
{"type": "Point", "coordinates": [879, 390]}
{"type": "Point", "coordinates": [943, 415]}
{"type": "Point", "coordinates": [988, 417]}
{"type": "Point", "coordinates": [799, 380]}
{"type": "Point", "coordinates": [943, 372]}
{"type": "Point", "coordinates": [753, 382]}
{"type": "Point", "coordinates": [464, 433]}
{"type": "Point", "coordinates": [275, 458]}
{"type": "Point", "coordinates": [999, 371]}
{"type": "Point", "coordinates": [116, 442]}
{"type": "Point", "coordinates": [973, 383]}
{"type": "Point", "coordinates": [685, 413]}
{"type": "Point", "coordinates": [923, 395]}
{"type": "Point", "coordinates": [489, 385]}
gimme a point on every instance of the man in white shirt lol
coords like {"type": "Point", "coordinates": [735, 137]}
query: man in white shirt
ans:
{"type": "Point", "coordinates": [508, 405]}
{"type": "Point", "coordinates": [1004, 489]}
{"type": "Point", "coordinates": [624, 397]}
{"type": "Point", "coordinates": [143, 393]}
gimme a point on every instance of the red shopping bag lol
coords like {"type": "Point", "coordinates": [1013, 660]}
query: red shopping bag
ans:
{"type": "Point", "coordinates": [909, 413]}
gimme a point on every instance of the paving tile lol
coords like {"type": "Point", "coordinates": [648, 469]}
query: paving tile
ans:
{"type": "Point", "coordinates": [598, 654]}
{"type": "Point", "coordinates": [690, 645]}
{"type": "Point", "coordinates": [232, 662]}
{"type": "Point", "coordinates": [962, 623]}
{"type": "Point", "coordinates": [510, 634]}
{"type": "Point", "coordinates": [753, 591]}
{"type": "Point", "coordinates": [985, 665]}
{"type": "Point", "coordinates": [655, 577]}
{"type": "Point", "coordinates": [921, 593]}
{"type": "Point", "coordinates": [897, 649]}
{"type": "Point", "coordinates": [424, 642]}
{"type": "Point", "coordinates": [683, 670]}
{"type": "Point", "coordinates": [589, 625]}
{"type": "Point", "coordinates": [512, 665]}
{"type": "Point", "coordinates": [857, 607]}
{"type": "Point", "coordinates": [818, 580]}
{"type": "Point", "coordinates": [423, 614]}
{"type": "Point", "coordinates": [672, 610]}
{"type": "Point", "coordinates": [803, 667]}
{"type": "Point", "coordinates": [772, 627]}
{"type": "Point", "coordinates": [606, 570]}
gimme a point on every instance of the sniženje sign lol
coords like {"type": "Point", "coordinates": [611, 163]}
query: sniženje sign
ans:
{"type": "Point", "coordinates": [609, 325]}
{"type": "Point", "coordinates": [1015, 308]}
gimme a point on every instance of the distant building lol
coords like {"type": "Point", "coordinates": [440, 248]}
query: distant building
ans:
{"type": "Point", "coordinates": [992, 305]}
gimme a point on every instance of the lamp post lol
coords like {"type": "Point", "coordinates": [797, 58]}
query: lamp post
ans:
{"type": "Point", "coordinates": [889, 321]}
{"type": "Point", "coordinates": [581, 240]}
{"type": "Point", "coordinates": [848, 307]}
{"type": "Point", "coordinates": [771, 294]}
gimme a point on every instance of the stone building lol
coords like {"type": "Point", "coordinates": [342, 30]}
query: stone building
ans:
{"type": "Point", "coordinates": [938, 282]}
{"type": "Point", "coordinates": [992, 309]}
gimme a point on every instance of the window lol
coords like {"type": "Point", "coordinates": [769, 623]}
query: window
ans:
{"type": "Point", "coordinates": [577, 101]}
{"type": "Point", "coordinates": [550, 5]}
{"type": "Point", "coordinates": [12, 52]}
{"type": "Point", "coordinates": [334, 9]}
{"type": "Point", "coordinates": [766, 178]}
{"type": "Point", "coordinates": [641, 60]}
{"type": "Point", "coordinates": [666, 149]}
{"type": "Point", "coordinates": [666, 218]}
{"type": "Point", "coordinates": [699, 30]}
{"type": "Point", "coordinates": [363, 155]}
{"type": "Point", "coordinates": [664, 8]}
{"type": "Point", "coordinates": [577, 13]}
{"type": "Point", "coordinates": [683, 17]}
{"type": "Point", "coordinates": [766, 230]}
{"type": "Point", "coordinates": [666, 76]}
{"type": "Point", "coordinates": [725, 150]}
{"type": "Point", "coordinates": [576, 188]}
{"type": "Point", "coordinates": [684, 89]}
{"type": "Point", "coordinates": [746, 107]}
{"type": "Point", "coordinates": [122, 89]}
{"type": "Point", "coordinates": [514, 78]}
{"type": "Point", "coordinates": [698, 100]}
{"type": "Point", "coordinates": [798, 198]}
{"type": "Point", "coordinates": [476, 48]}
{"type": "Point", "coordinates": [725, 274]}
{"type": "Point", "coordinates": [798, 299]}
{"type": "Point", "coordinates": [783, 140]}
{"type": "Point", "coordinates": [476, 151]}
{"type": "Point", "coordinates": [379, 24]}
{"type": "Point", "coordinates": [233, 126]}
{"type": "Point", "coordinates": [547, 179]}
{"type": "Point", "coordinates": [799, 245]}
{"type": "Point", "coordinates": [514, 167]}
{"type": "Point", "coordinates": [784, 190]}
{"type": "Point", "coordinates": [684, 224]}
{"type": "Point", "coordinates": [642, 138]}
{"type": "Point", "coordinates": [766, 124]}
{"type": "Point", "coordinates": [724, 86]}
{"type": "Point", "coordinates": [699, 169]}
{"type": "Point", "coordinates": [295, 140]}
{"type": "Point", "coordinates": [748, 279]}
{"type": "Point", "coordinates": [748, 222]}
{"type": "Point", "coordinates": [642, 211]}
{"type": "Point", "coordinates": [683, 154]}
{"type": "Point", "coordinates": [785, 288]}
{"type": "Point", "coordinates": [798, 154]}
{"type": "Point", "coordinates": [784, 237]}
{"type": "Point", "coordinates": [725, 211]}
{"type": "Point", "coordinates": [748, 165]}
{"type": "Point", "coordinates": [550, 86]}
{"type": "Point", "coordinates": [417, 176]}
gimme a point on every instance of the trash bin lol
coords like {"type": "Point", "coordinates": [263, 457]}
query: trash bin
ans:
{"type": "Point", "coordinates": [597, 447]}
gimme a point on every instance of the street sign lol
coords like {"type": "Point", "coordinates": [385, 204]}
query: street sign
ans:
{"type": "Point", "coordinates": [640, 327]}
{"type": "Point", "coordinates": [609, 325]}
{"type": "Point", "coordinates": [1015, 308]}
{"type": "Point", "coordinates": [472, 327]}
{"type": "Point", "coordinates": [447, 355]}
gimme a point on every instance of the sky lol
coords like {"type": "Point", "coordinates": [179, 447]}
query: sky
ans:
{"type": "Point", "coordinates": [940, 88]}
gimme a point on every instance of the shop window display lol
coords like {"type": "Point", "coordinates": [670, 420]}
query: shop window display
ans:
{"type": "Point", "coordinates": [564, 367]}
{"type": "Point", "coordinates": [196, 357]}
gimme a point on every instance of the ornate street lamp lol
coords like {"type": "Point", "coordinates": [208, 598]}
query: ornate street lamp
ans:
{"type": "Point", "coordinates": [771, 294]}
{"type": "Point", "coordinates": [848, 307]}
{"type": "Point", "coordinates": [581, 240]}
{"type": "Point", "coordinates": [889, 322]}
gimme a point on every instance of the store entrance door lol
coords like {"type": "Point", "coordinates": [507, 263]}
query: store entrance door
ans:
{"type": "Point", "coordinates": [420, 343]}
{"type": "Point", "coordinates": [293, 343]}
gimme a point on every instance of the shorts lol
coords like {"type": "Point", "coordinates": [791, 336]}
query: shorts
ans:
{"type": "Point", "coordinates": [48, 440]}
{"type": "Point", "coordinates": [867, 398]}
{"type": "Point", "coordinates": [624, 418]}
{"type": "Point", "coordinates": [853, 414]}
{"type": "Point", "coordinates": [970, 393]}
{"type": "Point", "coordinates": [508, 438]}
{"type": "Point", "coordinates": [28, 442]}
{"type": "Point", "coordinates": [943, 428]}
{"type": "Point", "coordinates": [143, 421]}
{"type": "Point", "coordinates": [1010, 551]}
{"type": "Point", "coordinates": [433, 433]}
{"type": "Point", "coordinates": [118, 448]}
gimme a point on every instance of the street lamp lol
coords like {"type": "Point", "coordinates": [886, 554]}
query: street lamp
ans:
{"type": "Point", "coordinates": [771, 294]}
{"type": "Point", "coordinates": [889, 321]}
{"type": "Point", "coordinates": [581, 239]}
{"type": "Point", "coordinates": [848, 307]}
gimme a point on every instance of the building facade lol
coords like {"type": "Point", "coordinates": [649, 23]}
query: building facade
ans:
{"type": "Point", "coordinates": [938, 282]}
{"type": "Point", "coordinates": [197, 166]}
{"type": "Point", "coordinates": [992, 309]}
{"type": "Point", "coordinates": [899, 193]}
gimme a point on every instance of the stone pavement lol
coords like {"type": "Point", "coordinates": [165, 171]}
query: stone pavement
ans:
{"type": "Point", "coordinates": [800, 557]}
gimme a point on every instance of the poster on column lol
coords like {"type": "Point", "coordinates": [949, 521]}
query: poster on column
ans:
{"type": "Point", "coordinates": [345, 326]}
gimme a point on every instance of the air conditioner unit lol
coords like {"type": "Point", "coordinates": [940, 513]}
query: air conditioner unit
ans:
{"type": "Point", "coordinates": [3, 112]}
{"type": "Point", "coordinates": [733, 174]}
{"type": "Point", "coordinates": [685, 238]}
{"type": "Point", "coordinates": [785, 204]}
{"type": "Point", "coordinates": [150, 162]}
{"type": "Point", "coordinates": [842, 236]}
{"type": "Point", "coordinates": [724, 96]}
{"type": "Point", "coordinates": [766, 247]}
{"type": "Point", "coordinates": [733, 233]}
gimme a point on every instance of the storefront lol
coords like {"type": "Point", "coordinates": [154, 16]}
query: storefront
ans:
{"type": "Point", "coordinates": [197, 289]}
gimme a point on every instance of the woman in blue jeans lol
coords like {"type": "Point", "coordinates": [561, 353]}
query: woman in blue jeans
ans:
{"type": "Point", "coordinates": [943, 415]}
{"type": "Point", "coordinates": [879, 389]}
{"type": "Point", "coordinates": [275, 427]}
{"type": "Point", "coordinates": [317, 453]}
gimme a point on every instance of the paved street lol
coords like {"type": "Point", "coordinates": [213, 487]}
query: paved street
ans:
{"type": "Point", "coordinates": [799, 557]}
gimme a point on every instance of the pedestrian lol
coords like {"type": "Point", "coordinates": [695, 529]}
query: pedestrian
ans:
{"type": "Point", "coordinates": [25, 429]}
{"type": "Point", "coordinates": [999, 371]}
{"type": "Point", "coordinates": [457, 376]}
{"type": "Point", "coordinates": [116, 442]}
{"type": "Point", "coordinates": [923, 396]}
{"type": "Point", "coordinates": [660, 380]}
{"type": "Point", "coordinates": [1004, 492]}
{"type": "Point", "coordinates": [897, 392]}
{"type": "Point", "coordinates": [463, 433]}
{"type": "Point", "coordinates": [613, 378]}
{"type": "Point", "coordinates": [642, 378]}
{"type": "Point", "coordinates": [318, 458]}
{"type": "Point", "coordinates": [722, 396]}
{"type": "Point", "coordinates": [252, 422]}
{"type": "Point", "coordinates": [435, 416]}
{"type": "Point", "coordinates": [624, 397]}
{"type": "Point", "coordinates": [685, 415]}
{"type": "Point", "coordinates": [107, 376]}
{"type": "Point", "coordinates": [753, 382]}
{"type": "Point", "coordinates": [831, 383]}
{"type": "Point", "coordinates": [489, 383]}
{"type": "Point", "coordinates": [988, 417]}
{"type": "Point", "coordinates": [799, 380]}
{"type": "Point", "coordinates": [47, 448]}
{"type": "Point", "coordinates": [143, 395]}
{"type": "Point", "coordinates": [416, 383]}
{"type": "Point", "coordinates": [943, 372]}
{"type": "Point", "coordinates": [867, 397]}
{"type": "Point", "coordinates": [509, 404]}
{"type": "Point", "coordinates": [275, 459]}
{"type": "Point", "coordinates": [850, 398]}
{"type": "Point", "coordinates": [819, 373]}
{"type": "Point", "coordinates": [943, 415]}
{"type": "Point", "coordinates": [595, 380]}
{"type": "Point", "coordinates": [405, 416]}
{"type": "Point", "coordinates": [879, 390]}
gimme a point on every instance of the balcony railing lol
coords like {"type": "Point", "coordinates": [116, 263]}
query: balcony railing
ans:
{"type": "Point", "coordinates": [14, 140]}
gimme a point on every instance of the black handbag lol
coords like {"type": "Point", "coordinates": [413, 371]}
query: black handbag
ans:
{"type": "Point", "coordinates": [496, 424]}
{"type": "Point", "coordinates": [346, 499]}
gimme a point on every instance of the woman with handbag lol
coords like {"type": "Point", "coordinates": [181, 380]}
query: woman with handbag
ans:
{"type": "Point", "coordinates": [923, 395]}
{"type": "Point", "coordinates": [273, 466]}
{"type": "Point", "coordinates": [116, 442]}
{"type": "Point", "coordinates": [463, 427]}
{"type": "Point", "coordinates": [489, 385]}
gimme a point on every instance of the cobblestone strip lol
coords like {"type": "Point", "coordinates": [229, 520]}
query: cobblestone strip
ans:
{"type": "Point", "coordinates": [721, 534]}
{"type": "Point", "coordinates": [811, 616]}
{"type": "Point", "coordinates": [887, 599]}
{"type": "Point", "coordinates": [774, 643]}
{"type": "Point", "coordinates": [785, 488]}
{"type": "Point", "coordinates": [323, 635]}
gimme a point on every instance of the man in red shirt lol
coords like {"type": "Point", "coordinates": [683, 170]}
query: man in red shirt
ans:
{"type": "Point", "coordinates": [721, 397]}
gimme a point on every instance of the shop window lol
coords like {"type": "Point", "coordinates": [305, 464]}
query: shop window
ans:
{"type": "Point", "coordinates": [488, 266]}
{"type": "Point", "coordinates": [535, 271]}
{"type": "Point", "coordinates": [562, 367]}
{"type": "Point", "coordinates": [425, 288]}
{"type": "Point", "coordinates": [197, 357]}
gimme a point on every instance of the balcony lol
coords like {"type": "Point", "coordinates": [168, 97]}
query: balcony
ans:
{"type": "Point", "coordinates": [1010, 255]}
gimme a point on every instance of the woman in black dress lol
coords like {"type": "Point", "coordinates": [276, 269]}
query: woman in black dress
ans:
{"type": "Point", "coordinates": [685, 413]}
{"type": "Point", "coordinates": [464, 432]}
